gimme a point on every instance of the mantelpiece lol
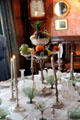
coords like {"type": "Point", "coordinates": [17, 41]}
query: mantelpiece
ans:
{"type": "Point", "coordinates": [66, 39]}
{"type": "Point", "coordinates": [69, 42]}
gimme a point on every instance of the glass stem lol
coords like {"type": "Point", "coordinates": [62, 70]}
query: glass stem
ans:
{"type": "Point", "coordinates": [42, 114]}
{"type": "Point", "coordinates": [31, 101]}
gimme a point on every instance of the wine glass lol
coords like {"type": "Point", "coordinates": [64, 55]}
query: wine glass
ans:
{"type": "Point", "coordinates": [78, 89]}
{"type": "Point", "coordinates": [41, 108]}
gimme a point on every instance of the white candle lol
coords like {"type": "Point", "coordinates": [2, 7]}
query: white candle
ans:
{"type": "Point", "coordinates": [11, 68]}
{"type": "Point", "coordinates": [14, 67]}
{"type": "Point", "coordinates": [52, 61]}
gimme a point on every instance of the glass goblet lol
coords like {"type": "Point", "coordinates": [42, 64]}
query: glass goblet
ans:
{"type": "Point", "coordinates": [41, 108]}
{"type": "Point", "coordinates": [78, 89]}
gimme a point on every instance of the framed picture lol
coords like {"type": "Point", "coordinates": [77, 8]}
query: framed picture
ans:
{"type": "Point", "coordinates": [61, 24]}
{"type": "Point", "coordinates": [36, 9]}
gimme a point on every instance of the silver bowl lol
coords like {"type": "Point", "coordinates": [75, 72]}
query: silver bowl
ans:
{"type": "Point", "coordinates": [39, 41]}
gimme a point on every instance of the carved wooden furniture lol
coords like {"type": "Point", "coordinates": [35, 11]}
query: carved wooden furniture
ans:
{"type": "Point", "coordinates": [70, 43]}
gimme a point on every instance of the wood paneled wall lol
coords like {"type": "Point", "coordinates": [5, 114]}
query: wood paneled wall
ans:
{"type": "Point", "coordinates": [21, 22]}
{"type": "Point", "coordinates": [18, 22]}
{"type": "Point", "coordinates": [18, 28]}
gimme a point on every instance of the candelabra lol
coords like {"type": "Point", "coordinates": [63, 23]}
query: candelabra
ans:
{"type": "Point", "coordinates": [71, 69]}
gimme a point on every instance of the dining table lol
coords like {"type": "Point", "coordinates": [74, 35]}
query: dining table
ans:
{"type": "Point", "coordinates": [68, 95]}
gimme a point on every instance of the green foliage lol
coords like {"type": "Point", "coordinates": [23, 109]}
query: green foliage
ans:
{"type": "Point", "coordinates": [37, 25]}
{"type": "Point", "coordinates": [50, 80]}
{"type": "Point", "coordinates": [30, 93]}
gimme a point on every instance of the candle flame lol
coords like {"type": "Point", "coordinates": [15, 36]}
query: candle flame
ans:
{"type": "Point", "coordinates": [11, 59]}
{"type": "Point", "coordinates": [51, 58]}
{"type": "Point", "coordinates": [71, 53]}
{"type": "Point", "coordinates": [14, 57]}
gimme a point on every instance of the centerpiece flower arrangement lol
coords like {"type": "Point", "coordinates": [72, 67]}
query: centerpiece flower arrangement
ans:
{"type": "Point", "coordinates": [38, 33]}
{"type": "Point", "coordinates": [39, 37]}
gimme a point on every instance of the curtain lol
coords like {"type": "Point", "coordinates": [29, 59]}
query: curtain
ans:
{"type": "Point", "coordinates": [4, 62]}
{"type": "Point", "coordinates": [9, 28]}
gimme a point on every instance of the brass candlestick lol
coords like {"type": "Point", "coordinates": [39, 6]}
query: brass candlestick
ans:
{"type": "Point", "coordinates": [41, 67]}
{"type": "Point", "coordinates": [16, 88]}
{"type": "Point", "coordinates": [58, 105]}
{"type": "Point", "coordinates": [71, 68]}
{"type": "Point", "coordinates": [32, 66]}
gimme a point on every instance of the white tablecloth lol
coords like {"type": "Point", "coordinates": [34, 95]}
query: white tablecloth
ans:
{"type": "Point", "coordinates": [33, 114]}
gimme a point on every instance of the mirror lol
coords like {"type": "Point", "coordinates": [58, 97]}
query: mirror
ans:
{"type": "Point", "coordinates": [61, 8]}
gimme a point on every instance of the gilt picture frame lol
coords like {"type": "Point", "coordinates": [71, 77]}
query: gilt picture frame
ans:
{"type": "Point", "coordinates": [61, 24]}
